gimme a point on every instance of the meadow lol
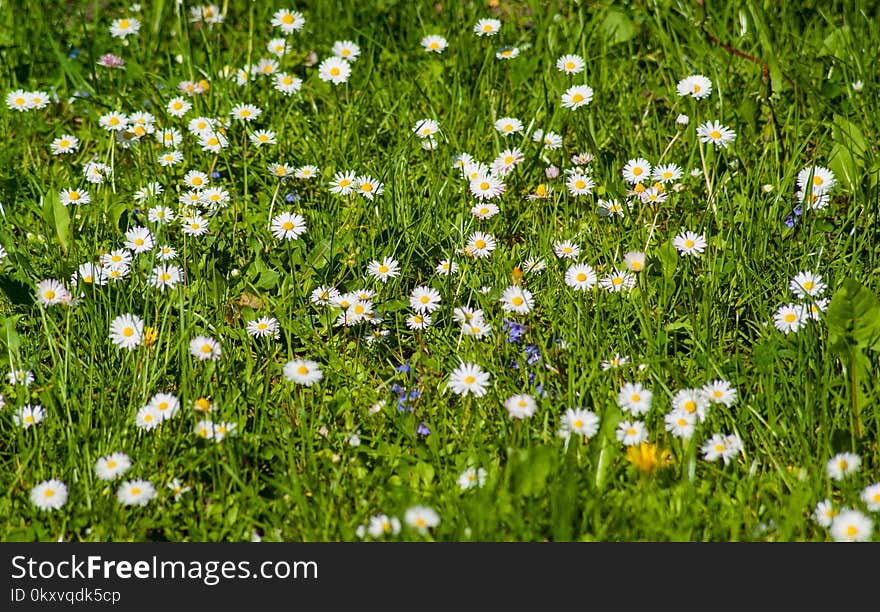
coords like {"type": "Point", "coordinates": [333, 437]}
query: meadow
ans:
{"type": "Point", "coordinates": [453, 271]}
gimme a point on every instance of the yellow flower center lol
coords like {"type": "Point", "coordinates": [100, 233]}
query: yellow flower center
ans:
{"type": "Point", "coordinates": [128, 332]}
{"type": "Point", "coordinates": [480, 244]}
{"type": "Point", "coordinates": [113, 121]}
{"type": "Point", "coordinates": [569, 65]}
{"type": "Point", "coordinates": [288, 225]}
{"type": "Point", "coordinates": [517, 301]}
{"type": "Point", "coordinates": [790, 318]}
{"type": "Point", "coordinates": [334, 71]}
{"type": "Point", "coordinates": [303, 370]}
{"type": "Point", "coordinates": [637, 171]}
{"type": "Point", "coordinates": [689, 243]}
{"type": "Point", "coordinates": [817, 180]}
{"type": "Point", "coordinates": [690, 405]}
{"type": "Point", "coordinates": [581, 277]}
{"type": "Point", "coordinates": [135, 491]}
{"type": "Point", "coordinates": [49, 493]}
{"type": "Point", "coordinates": [288, 19]}
{"type": "Point", "coordinates": [715, 134]}
{"type": "Point", "coordinates": [111, 464]}
{"type": "Point", "coordinates": [125, 24]}
{"type": "Point", "coordinates": [50, 295]}
{"type": "Point", "coordinates": [577, 98]}
{"type": "Point", "coordinates": [469, 380]}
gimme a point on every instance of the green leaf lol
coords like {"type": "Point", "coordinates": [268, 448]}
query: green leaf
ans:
{"type": "Point", "coordinates": [837, 43]}
{"type": "Point", "coordinates": [56, 216]}
{"type": "Point", "coordinates": [668, 258]}
{"type": "Point", "coordinates": [618, 27]}
{"type": "Point", "coordinates": [853, 319]}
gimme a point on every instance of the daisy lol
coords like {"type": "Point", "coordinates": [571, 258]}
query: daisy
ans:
{"type": "Point", "coordinates": [277, 47]}
{"type": "Point", "coordinates": [306, 172]}
{"type": "Point", "coordinates": [18, 100]}
{"type": "Point", "coordinates": [472, 169]}
{"type": "Point", "coordinates": [201, 126]}
{"type": "Point", "coordinates": [634, 261]}
{"type": "Point", "coordinates": [64, 144]}
{"type": "Point", "coordinates": [178, 106]}
{"type": "Point", "coordinates": [213, 142]}
{"type": "Point", "coordinates": [691, 401]}
{"type": "Point", "coordinates": [424, 299]}
{"type": "Point", "coordinates": [169, 158]}
{"type": "Point", "coordinates": [381, 524]}
{"type": "Point", "coordinates": [468, 378]}
{"type": "Point", "coordinates": [263, 328]}
{"type": "Point", "coordinates": [487, 27]}
{"type": "Point", "coordinates": [90, 274]}
{"type": "Point", "coordinates": [139, 239]}
{"type": "Point", "coordinates": [127, 331]}
{"type": "Point", "coordinates": [533, 265]}
{"type": "Point", "coordinates": [49, 495]}
{"type": "Point", "coordinates": [667, 173]}
{"type": "Point", "coordinates": [434, 43]}
{"type": "Point", "coordinates": [480, 245]}
{"type": "Point", "coordinates": [205, 429]}
{"type": "Point", "coordinates": [851, 526]}
{"type": "Point", "coordinates": [114, 122]}
{"type": "Point", "coordinates": [266, 66]}
{"type": "Point", "coordinates": [128, 26]}
{"type": "Point", "coordinates": [507, 53]}
{"type": "Point", "coordinates": [346, 50]}
{"type": "Point", "coordinates": [580, 277]}
{"type": "Point", "coordinates": [288, 226]}
{"type": "Point", "coordinates": [484, 211]}
{"type": "Point", "coordinates": [577, 96]}
{"type": "Point", "coordinates": [147, 418]}
{"type": "Point", "coordinates": [579, 184]}
{"type": "Point", "coordinates": [689, 243]}
{"type": "Point", "coordinates": [303, 372]}
{"type": "Point", "coordinates": [177, 489]}
{"type": "Point", "coordinates": [790, 318]}
{"type": "Point", "coordinates": [824, 513]}
{"type": "Point", "coordinates": [334, 70]}
{"type": "Point", "coordinates": [636, 170]}
{"type": "Point", "coordinates": [520, 406]}
{"type": "Point", "coordinates": [508, 125]}
{"type": "Point", "coordinates": [136, 492]}
{"type": "Point", "coordinates": [51, 292]}
{"type": "Point", "coordinates": [472, 477]}
{"type": "Point", "coordinates": [418, 321]}
{"type": "Point", "coordinates": [166, 405]}
{"type": "Point", "coordinates": [20, 377]}
{"type": "Point", "coordinates": [719, 392]}
{"type": "Point", "coordinates": [871, 496]}
{"type": "Point", "coordinates": [28, 415]}
{"type": "Point", "coordinates": [486, 187]}
{"type": "Point", "coordinates": [384, 270]}
{"type": "Point", "coordinates": [570, 64]}
{"type": "Point", "coordinates": [323, 296]}
{"type": "Point", "coordinates": [617, 281]}
{"type": "Point", "coordinates": [681, 423]}
{"type": "Point", "coordinates": [112, 466]}
{"type": "Point", "coordinates": [116, 259]}
{"type": "Point", "coordinates": [151, 190]}
{"type": "Point", "coordinates": [714, 448]}
{"type": "Point", "coordinates": [194, 225]}
{"type": "Point", "coordinates": [717, 134]}
{"type": "Point", "coordinates": [819, 179]}
{"type": "Point", "coordinates": [477, 329]}
{"type": "Point", "coordinates": [343, 183]}
{"type": "Point", "coordinates": [615, 362]}
{"type": "Point", "coordinates": [842, 465]}
{"type": "Point", "coordinates": [807, 284]}
{"type": "Point", "coordinates": [166, 276]}
{"type": "Point", "coordinates": [160, 214]}
{"type": "Point", "coordinates": [204, 348]}
{"type": "Point", "coordinates": [281, 171]}
{"type": "Point", "coordinates": [74, 196]}
{"type": "Point", "coordinates": [506, 161]}
{"type": "Point", "coordinates": [566, 249]}
{"type": "Point", "coordinates": [446, 267]}
{"type": "Point", "coordinates": [631, 433]}
{"type": "Point", "coordinates": [245, 112]}
{"type": "Point", "coordinates": [815, 309]}
{"type": "Point", "coordinates": [96, 172]}
{"type": "Point", "coordinates": [516, 299]}
{"type": "Point", "coordinates": [634, 398]}
{"type": "Point", "coordinates": [696, 86]}
{"type": "Point", "coordinates": [262, 137]}
{"type": "Point", "coordinates": [580, 422]}
{"type": "Point", "coordinates": [421, 518]}
{"type": "Point", "coordinates": [287, 84]}
{"type": "Point", "coordinates": [368, 187]}
{"type": "Point", "coordinates": [289, 21]}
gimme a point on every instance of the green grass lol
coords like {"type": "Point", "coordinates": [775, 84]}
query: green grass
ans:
{"type": "Point", "coordinates": [781, 80]}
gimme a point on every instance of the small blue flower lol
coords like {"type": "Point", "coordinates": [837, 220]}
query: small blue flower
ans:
{"type": "Point", "coordinates": [404, 367]}
{"type": "Point", "coordinates": [423, 430]}
{"type": "Point", "coordinates": [292, 197]}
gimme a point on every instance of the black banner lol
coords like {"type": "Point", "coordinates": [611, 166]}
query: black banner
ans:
{"type": "Point", "coordinates": [162, 576]}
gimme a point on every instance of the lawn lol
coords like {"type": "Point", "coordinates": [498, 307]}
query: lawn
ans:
{"type": "Point", "coordinates": [452, 271]}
